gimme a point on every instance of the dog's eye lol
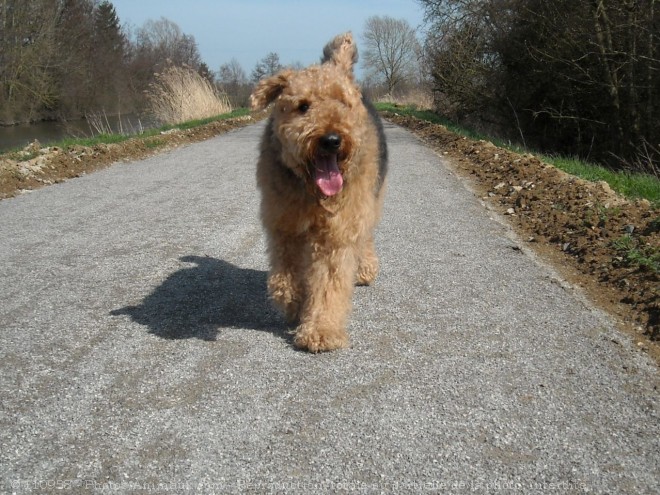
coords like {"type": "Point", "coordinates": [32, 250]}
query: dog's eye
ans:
{"type": "Point", "coordinates": [303, 107]}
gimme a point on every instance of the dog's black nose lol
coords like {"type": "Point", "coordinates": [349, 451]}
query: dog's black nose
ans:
{"type": "Point", "coordinates": [330, 142]}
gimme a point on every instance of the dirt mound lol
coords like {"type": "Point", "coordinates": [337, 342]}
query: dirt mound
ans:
{"type": "Point", "coordinates": [599, 241]}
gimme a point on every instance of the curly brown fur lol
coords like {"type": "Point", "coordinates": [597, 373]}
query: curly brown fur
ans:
{"type": "Point", "coordinates": [321, 173]}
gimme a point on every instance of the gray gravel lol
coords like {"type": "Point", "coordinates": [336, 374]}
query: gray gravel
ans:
{"type": "Point", "coordinates": [139, 354]}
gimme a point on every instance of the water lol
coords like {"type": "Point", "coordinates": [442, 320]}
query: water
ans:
{"type": "Point", "coordinates": [19, 136]}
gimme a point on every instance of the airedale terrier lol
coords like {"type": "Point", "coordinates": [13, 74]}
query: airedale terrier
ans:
{"type": "Point", "coordinates": [322, 178]}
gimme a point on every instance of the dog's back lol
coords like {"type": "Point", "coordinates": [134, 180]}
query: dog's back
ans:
{"type": "Point", "coordinates": [382, 143]}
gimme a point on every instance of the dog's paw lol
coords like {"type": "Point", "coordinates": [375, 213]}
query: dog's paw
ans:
{"type": "Point", "coordinates": [365, 277]}
{"type": "Point", "coordinates": [367, 272]}
{"type": "Point", "coordinates": [320, 340]}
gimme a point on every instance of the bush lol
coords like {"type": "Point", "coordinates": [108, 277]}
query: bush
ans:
{"type": "Point", "coordinates": [180, 94]}
{"type": "Point", "coordinates": [576, 78]}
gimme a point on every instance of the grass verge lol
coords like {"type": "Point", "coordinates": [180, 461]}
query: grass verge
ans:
{"type": "Point", "coordinates": [21, 155]}
{"type": "Point", "coordinates": [629, 184]}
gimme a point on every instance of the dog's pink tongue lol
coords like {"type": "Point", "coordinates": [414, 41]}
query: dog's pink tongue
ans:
{"type": "Point", "coordinates": [327, 175]}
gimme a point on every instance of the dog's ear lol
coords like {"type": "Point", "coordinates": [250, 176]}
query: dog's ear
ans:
{"type": "Point", "coordinates": [341, 51]}
{"type": "Point", "coordinates": [269, 89]}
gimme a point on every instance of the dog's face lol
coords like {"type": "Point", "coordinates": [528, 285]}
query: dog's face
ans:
{"type": "Point", "coordinates": [317, 117]}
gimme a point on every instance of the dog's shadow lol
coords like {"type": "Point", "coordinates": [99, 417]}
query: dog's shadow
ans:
{"type": "Point", "coordinates": [201, 300]}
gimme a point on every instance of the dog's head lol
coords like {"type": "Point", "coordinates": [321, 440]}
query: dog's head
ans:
{"type": "Point", "coordinates": [318, 116]}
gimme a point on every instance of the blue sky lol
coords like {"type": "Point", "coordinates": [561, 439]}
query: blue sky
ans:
{"type": "Point", "coordinates": [248, 30]}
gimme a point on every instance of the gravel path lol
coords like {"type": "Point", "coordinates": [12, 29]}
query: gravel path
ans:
{"type": "Point", "coordinates": [138, 352]}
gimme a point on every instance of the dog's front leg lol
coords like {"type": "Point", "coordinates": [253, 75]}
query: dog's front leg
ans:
{"type": "Point", "coordinates": [329, 284]}
{"type": "Point", "coordinates": [287, 262]}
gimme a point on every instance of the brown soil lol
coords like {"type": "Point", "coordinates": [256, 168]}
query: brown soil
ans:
{"type": "Point", "coordinates": [570, 222]}
{"type": "Point", "coordinates": [577, 225]}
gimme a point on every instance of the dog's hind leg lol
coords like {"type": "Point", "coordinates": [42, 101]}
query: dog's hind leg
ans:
{"type": "Point", "coordinates": [368, 264]}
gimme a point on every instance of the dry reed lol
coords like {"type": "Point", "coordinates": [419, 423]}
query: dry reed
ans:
{"type": "Point", "coordinates": [419, 99]}
{"type": "Point", "coordinates": [180, 94]}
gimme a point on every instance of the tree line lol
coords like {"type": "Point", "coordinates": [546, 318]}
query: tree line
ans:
{"type": "Point", "coordinates": [576, 77]}
{"type": "Point", "coordinates": [573, 77]}
{"type": "Point", "coordinates": [64, 59]}
{"type": "Point", "coordinates": [61, 59]}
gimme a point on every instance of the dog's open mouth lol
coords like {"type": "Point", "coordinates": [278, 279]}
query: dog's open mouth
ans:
{"type": "Point", "coordinates": [327, 176]}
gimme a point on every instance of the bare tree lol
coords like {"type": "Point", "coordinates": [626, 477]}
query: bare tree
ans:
{"type": "Point", "coordinates": [232, 73]}
{"type": "Point", "coordinates": [234, 82]}
{"type": "Point", "coordinates": [27, 53]}
{"type": "Point", "coordinates": [391, 51]}
{"type": "Point", "coordinates": [163, 40]}
{"type": "Point", "coordinates": [267, 66]}
{"type": "Point", "coordinates": [157, 46]}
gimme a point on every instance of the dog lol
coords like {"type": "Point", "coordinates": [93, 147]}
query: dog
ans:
{"type": "Point", "coordinates": [321, 172]}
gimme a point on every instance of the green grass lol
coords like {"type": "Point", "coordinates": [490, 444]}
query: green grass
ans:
{"type": "Point", "coordinates": [154, 143]}
{"type": "Point", "coordinates": [26, 156]}
{"type": "Point", "coordinates": [92, 141]}
{"type": "Point", "coordinates": [629, 184]}
{"type": "Point", "coordinates": [634, 254]}
{"type": "Point", "coordinates": [428, 116]}
{"type": "Point", "coordinates": [118, 138]}
{"type": "Point", "coordinates": [239, 112]}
